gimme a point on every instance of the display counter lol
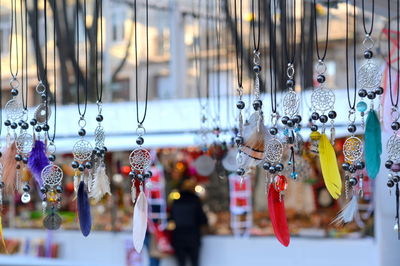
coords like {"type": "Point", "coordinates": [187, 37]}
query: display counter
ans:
{"type": "Point", "coordinates": [107, 248]}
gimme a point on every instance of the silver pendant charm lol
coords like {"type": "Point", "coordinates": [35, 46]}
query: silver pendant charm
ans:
{"type": "Point", "coordinates": [322, 99]}
{"type": "Point", "coordinates": [52, 175]}
{"type": "Point", "coordinates": [26, 197]}
{"type": "Point", "coordinates": [140, 159]}
{"type": "Point", "coordinates": [353, 149]}
{"type": "Point", "coordinates": [393, 148]}
{"type": "Point", "coordinates": [42, 113]}
{"type": "Point", "coordinates": [24, 143]}
{"type": "Point", "coordinates": [82, 150]}
{"type": "Point", "coordinates": [291, 103]}
{"type": "Point", "coordinates": [369, 75]}
{"type": "Point", "coordinates": [273, 150]}
{"type": "Point", "coordinates": [14, 109]}
{"type": "Point", "coordinates": [99, 136]}
{"type": "Point", "coordinates": [52, 221]}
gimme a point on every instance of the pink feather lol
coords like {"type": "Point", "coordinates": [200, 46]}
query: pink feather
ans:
{"type": "Point", "coordinates": [276, 207]}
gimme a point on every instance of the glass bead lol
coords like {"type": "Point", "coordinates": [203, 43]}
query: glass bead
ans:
{"type": "Point", "coordinates": [280, 183]}
{"type": "Point", "coordinates": [362, 106]}
{"type": "Point", "coordinates": [294, 175]}
{"type": "Point", "coordinates": [315, 135]}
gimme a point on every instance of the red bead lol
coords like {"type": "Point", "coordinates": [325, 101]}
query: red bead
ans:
{"type": "Point", "coordinates": [280, 183]}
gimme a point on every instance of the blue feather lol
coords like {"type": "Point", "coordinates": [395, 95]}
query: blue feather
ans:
{"type": "Point", "coordinates": [373, 144]}
{"type": "Point", "coordinates": [85, 220]}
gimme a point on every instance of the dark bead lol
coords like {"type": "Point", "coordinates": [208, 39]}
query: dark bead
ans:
{"type": "Point", "coordinates": [240, 171]}
{"type": "Point", "coordinates": [43, 190]}
{"type": "Point", "coordinates": [388, 164]}
{"type": "Point", "coordinates": [396, 179]}
{"type": "Point", "coordinates": [18, 166]}
{"type": "Point", "coordinates": [315, 116]}
{"type": "Point", "coordinates": [297, 119]}
{"type": "Point", "coordinates": [314, 128]}
{"type": "Point", "coordinates": [59, 189]}
{"type": "Point", "coordinates": [362, 93]}
{"type": "Point", "coordinates": [360, 165]}
{"type": "Point", "coordinates": [290, 123]}
{"type": "Point", "coordinates": [140, 177]}
{"type": "Point", "coordinates": [321, 78]}
{"type": "Point", "coordinates": [323, 119]}
{"type": "Point", "coordinates": [81, 167]}
{"type": "Point", "coordinates": [240, 105]}
{"type": "Point", "coordinates": [257, 68]}
{"type": "Point", "coordinates": [139, 141]}
{"type": "Point", "coordinates": [352, 128]}
{"type": "Point", "coordinates": [14, 125]}
{"type": "Point", "coordinates": [52, 157]}
{"type": "Point", "coordinates": [239, 140]}
{"type": "Point", "coordinates": [82, 132]}
{"type": "Point", "coordinates": [390, 183]}
{"type": "Point", "coordinates": [368, 54]}
{"type": "Point", "coordinates": [25, 160]}
{"type": "Point", "coordinates": [26, 188]}
{"type": "Point", "coordinates": [345, 166]}
{"type": "Point", "coordinates": [279, 167]}
{"type": "Point", "coordinates": [7, 123]}
{"type": "Point", "coordinates": [102, 151]}
{"type": "Point", "coordinates": [20, 122]}
{"type": "Point", "coordinates": [14, 92]}
{"type": "Point", "coordinates": [273, 131]}
{"type": "Point", "coordinates": [38, 128]}
{"type": "Point", "coordinates": [132, 174]}
{"type": "Point", "coordinates": [290, 83]}
{"type": "Point", "coordinates": [257, 104]}
{"type": "Point", "coordinates": [272, 169]}
{"type": "Point", "coordinates": [371, 95]}
{"type": "Point", "coordinates": [353, 181]}
{"type": "Point", "coordinates": [33, 122]}
{"type": "Point", "coordinates": [105, 148]}
{"type": "Point", "coordinates": [1, 184]}
{"type": "Point", "coordinates": [25, 125]}
{"type": "Point", "coordinates": [379, 91]}
{"type": "Point", "coordinates": [149, 174]}
{"type": "Point", "coordinates": [89, 165]}
{"type": "Point", "coordinates": [45, 127]}
{"type": "Point", "coordinates": [266, 165]}
{"type": "Point", "coordinates": [18, 157]}
{"type": "Point", "coordinates": [99, 118]}
{"type": "Point", "coordinates": [285, 119]}
{"type": "Point", "coordinates": [1, 154]}
{"type": "Point", "coordinates": [352, 169]}
{"type": "Point", "coordinates": [43, 96]}
{"type": "Point", "coordinates": [332, 114]}
{"type": "Point", "coordinates": [395, 125]}
{"type": "Point", "coordinates": [59, 199]}
{"type": "Point", "coordinates": [75, 164]}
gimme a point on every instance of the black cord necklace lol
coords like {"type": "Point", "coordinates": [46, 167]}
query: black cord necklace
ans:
{"type": "Point", "coordinates": [256, 36]}
{"type": "Point", "coordinates": [217, 109]}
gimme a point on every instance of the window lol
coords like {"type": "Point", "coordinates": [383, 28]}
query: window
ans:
{"type": "Point", "coordinates": [118, 24]}
{"type": "Point", "coordinates": [120, 90]}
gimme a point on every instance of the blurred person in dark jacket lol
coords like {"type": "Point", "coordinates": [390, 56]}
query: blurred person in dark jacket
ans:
{"type": "Point", "coordinates": [188, 215]}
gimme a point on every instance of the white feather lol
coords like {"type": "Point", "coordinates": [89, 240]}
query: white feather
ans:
{"type": "Point", "coordinates": [101, 184]}
{"type": "Point", "coordinates": [139, 222]}
{"type": "Point", "coordinates": [346, 215]}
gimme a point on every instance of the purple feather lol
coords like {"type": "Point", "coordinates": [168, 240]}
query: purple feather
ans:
{"type": "Point", "coordinates": [37, 161]}
{"type": "Point", "coordinates": [85, 220]}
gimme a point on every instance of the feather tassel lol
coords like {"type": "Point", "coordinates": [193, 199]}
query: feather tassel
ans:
{"type": "Point", "coordinates": [329, 167]}
{"type": "Point", "coordinates": [346, 215]}
{"type": "Point", "coordinates": [85, 220]}
{"type": "Point", "coordinates": [101, 184]}
{"type": "Point", "coordinates": [276, 207]}
{"type": "Point", "coordinates": [139, 221]}
{"type": "Point", "coordinates": [3, 247]}
{"type": "Point", "coordinates": [37, 161]}
{"type": "Point", "coordinates": [373, 144]}
{"type": "Point", "coordinates": [254, 139]}
{"type": "Point", "coordinates": [9, 168]}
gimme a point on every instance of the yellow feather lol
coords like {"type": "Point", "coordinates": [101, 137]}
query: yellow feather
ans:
{"type": "Point", "coordinates": [329, 167]}
{"type": "Point", "coordinates": [3, 248]}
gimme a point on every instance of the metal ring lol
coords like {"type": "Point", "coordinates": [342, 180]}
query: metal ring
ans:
{"type": "Point", "coordinates": [290, 71]}
{"type": "Point", "coordinates": [140, 131]}
{"type": "Point", "coordinates": [14, 83]}
{"type": "Point", "coordinates": [274, 118]}
{"type": "Point", "coordinates": [82, 122]}
{"type": "Point", "coordinates": [51, 148]}
{"type": "Point", "coordinates": [256, 58]}
{"type": "Point", "coordinates": [395, 114]}
{"type": "Point", "coordinates": [320, 67]}
{"type": "Point", "coordinates": [352, 116]}
{"type": "Point", "coordinates": [40, 88]}
{"type": "Point", "coordinates": [368, 42]}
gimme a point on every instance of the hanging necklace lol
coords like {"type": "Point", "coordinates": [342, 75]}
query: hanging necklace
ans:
{"type": "Point", "coordinates": [217, 92]}
{"type": "Point", "coordinates": [140, 158]}
{"type": "Point", "coordinates": [291, 101]}
{"type": "Point", "coordinates": [393, 143]}
{"type": "Point", "coordinates": [101, 182]}
{"type": "Point", "coordinates": [370, 77]}
{"type": "Point", "coordinates": [82, 149]}
{"type": "Point", "coordinates": [52, 174]}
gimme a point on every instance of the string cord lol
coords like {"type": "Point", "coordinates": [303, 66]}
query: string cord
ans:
{"type": "Point", "coordinates": [351, 103]}
{"type": "Point", "coordinates": [392, 100]}
{"type": "Point", "coordinates": [40, 77]}
{"type": "Point", "coordinates": [256, 35]}
{"type": "Point", "coordinates": [24, 61]}
{"type": "Point", "coordinates": [290, 44]}
{"type": "Point", "coordinates": [272, 52]}
{"type": "Point", "coordinates": [238, 39]}
{"type": "Point", "coordinates": [99, 80]}
{"type": "Point", "coordinates": [14, 33]}
{"type": "Point", "coordinates": [78, 85]}
{"type": "Point", "coordinates": [218, 46]}
{"type": "Point", "coordinates": [369, 31]}
{"type": "Point", "coordinates": [321, 58]}
{"type": "Point", "coordinates": [140, 121]}
{"type": "Point", "coordinates": [196, 47]}
{"type": "Point", "coordinates": [53, 136]}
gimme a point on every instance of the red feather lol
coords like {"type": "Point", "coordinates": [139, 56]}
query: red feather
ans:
{"type": "Point", "coordinates": [276, 207]}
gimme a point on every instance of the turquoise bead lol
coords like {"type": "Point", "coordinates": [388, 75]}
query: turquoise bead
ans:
{"type": "Point", "coordinates": [294, 175]}
{"type": "Point", "coordinates": [362, 107]}
{"type": "Point", "coordinates": [286, 132]}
